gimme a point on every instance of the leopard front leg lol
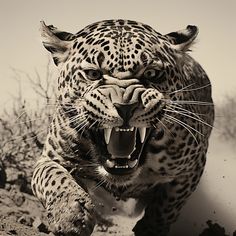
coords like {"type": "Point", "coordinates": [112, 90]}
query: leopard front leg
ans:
{"type": "Point", "coordinates": [164, 205]}
{"type": "Point", "coordinates": [69, 208]}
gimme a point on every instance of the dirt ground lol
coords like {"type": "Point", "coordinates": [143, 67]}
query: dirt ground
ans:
{"type": "Point", "coordinates": [21, 214]}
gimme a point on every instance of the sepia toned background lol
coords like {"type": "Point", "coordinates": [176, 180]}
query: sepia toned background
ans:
{"type": "Point", "coordinates": [20, 45]}
{"type": "Point", "coordinates": [20, 48]}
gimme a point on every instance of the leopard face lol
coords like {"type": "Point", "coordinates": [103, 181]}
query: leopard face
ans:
{"type": "Point", "coordinates": [117, 81]}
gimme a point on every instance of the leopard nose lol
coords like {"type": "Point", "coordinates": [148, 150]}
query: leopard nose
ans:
{"type": "Point", "coordinates": [126, 111]}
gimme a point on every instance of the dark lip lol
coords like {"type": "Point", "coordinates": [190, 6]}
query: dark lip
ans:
{"type": "Point", "coordinates": [120, 162]}
{"type": "Point", "coordinates": [120, 170]}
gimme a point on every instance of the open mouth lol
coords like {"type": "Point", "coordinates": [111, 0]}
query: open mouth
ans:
{"type": "Point", "coordinates": [125, 147]}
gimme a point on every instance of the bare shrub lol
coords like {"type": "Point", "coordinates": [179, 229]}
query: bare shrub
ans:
{"type": "Point", "coordinates": [23, 128]}
{"type": "Point", "coordinates": [226, 118]}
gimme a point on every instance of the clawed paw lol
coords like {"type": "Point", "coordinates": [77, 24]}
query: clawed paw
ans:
{"type": "Point", "coordinates": [72, 216]}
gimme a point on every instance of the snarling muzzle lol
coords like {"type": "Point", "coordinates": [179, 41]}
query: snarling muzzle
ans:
{"type": "Point", "coordinates": [125, 147]}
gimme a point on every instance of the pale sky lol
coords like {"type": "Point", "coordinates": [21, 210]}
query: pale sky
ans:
{"type": "Point", "coordinates": [21, 48]}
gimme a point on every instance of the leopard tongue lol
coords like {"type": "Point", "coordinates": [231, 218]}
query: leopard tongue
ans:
{"type": "Point", "coordinates": [122, 143]}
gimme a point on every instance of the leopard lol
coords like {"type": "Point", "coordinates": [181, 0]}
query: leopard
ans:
{"type": "Point", "coordinates": [130, 131]}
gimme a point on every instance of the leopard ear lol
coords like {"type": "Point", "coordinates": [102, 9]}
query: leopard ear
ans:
{"type": "Point", "coordinates": [55, 41]}
{"type": "Point", "coordinates": [183, 39]}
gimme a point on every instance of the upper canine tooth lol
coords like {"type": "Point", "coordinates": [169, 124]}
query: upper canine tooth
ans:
{"type": "Point", "coordinates": [142, 133]}
{"type": "Point", "coordinates": [133, 163]}
{"type": "Point", "coordinates": [107, 134]}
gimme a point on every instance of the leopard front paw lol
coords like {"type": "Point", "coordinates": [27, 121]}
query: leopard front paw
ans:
{"type": "Point", "coordinates": [72, 215]}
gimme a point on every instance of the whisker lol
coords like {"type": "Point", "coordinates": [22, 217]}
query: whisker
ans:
{"type": "Point", "coordinates": [186, 126]}
{"type": "Point", "coordinates": [169, 120]}
{"type": "Point", "coordinates": [191, 102]}
{"type": "Point", "coordinates": [184, 114]}
{"type": "Point", "coordinates": [164, 126]}
{"type": "Point", "coordinates": [79, 126]}
{"type": "Point", "coordinates": [60, 104]}
{"type": "Point", "coordinates": [83, 123]}
{"type": "Point", "coordinates": [78, 117]}
{"type": "Point", "coordinates": [179, 107]}
{"type": "Point", "coordinates": [180, 90]}
{"type": "Point", "coordinates": [92, 124]}
{"type": "Point", "coordinates": [181, 122]}
{"type": "Point", "coordinates": [189, 90]}
{"type": "Point", "coordinates": [83, 128]}
{"type": "Point", "coordinates": [57, 100]}
{"type": "Point", "coordinates": [101, 182]}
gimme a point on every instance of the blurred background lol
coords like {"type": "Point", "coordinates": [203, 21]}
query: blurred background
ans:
{"type": "Point", "coordinates": [27, 77]}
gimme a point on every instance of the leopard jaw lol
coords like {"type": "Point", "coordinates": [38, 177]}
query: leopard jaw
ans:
{"type": "Point", "coordinates": [125, 147]}
{"type": "Point", "coordinates": [130, 164]}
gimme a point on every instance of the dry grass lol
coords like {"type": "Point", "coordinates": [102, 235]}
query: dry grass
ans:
{"type": "Point", "coordinates": [23, 127]}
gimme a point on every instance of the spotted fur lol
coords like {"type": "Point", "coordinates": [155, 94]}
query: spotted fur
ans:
{"type": "Point", "coordinates": [118, 78]}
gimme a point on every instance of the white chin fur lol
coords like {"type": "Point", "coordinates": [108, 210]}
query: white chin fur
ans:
{"type": "Point", "coordinates": [117, 180]}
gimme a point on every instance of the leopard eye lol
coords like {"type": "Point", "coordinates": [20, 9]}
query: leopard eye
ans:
{"type": "Point", "coordinates": [94, 74]}
{"type": "Point", "coordinates": [152, 74]}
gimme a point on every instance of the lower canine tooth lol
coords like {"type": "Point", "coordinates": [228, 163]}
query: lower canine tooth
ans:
{"type": "Point", "coordinates": [110, 164]}
{"type": "Point", "coordinates": [107, 134]}
{"type": "Point", "coordinates": [142, 133]}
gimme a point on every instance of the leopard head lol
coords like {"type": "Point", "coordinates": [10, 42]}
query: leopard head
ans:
{"type": "Point", "coordinates": [116, 78]}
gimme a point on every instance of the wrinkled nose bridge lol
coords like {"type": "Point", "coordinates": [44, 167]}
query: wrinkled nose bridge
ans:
{"type": "Point", "coordinates": [124, 90]}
